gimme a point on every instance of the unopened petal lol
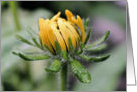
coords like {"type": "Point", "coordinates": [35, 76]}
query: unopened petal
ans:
{"type": "Point", "coordinates": [54, 18]}
{"type": "Point", "coordinates": [66, 34]}
{"type": "Point", "coordinates": [59, 37]}
{"type": "Point", "coordinates": [43, 33]}
{"type": "Point", "coordinates": [81, 26]}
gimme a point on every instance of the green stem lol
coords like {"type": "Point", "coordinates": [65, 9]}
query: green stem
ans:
{"type": "Point", "coordinates": [64, 78]}
{"type": "Point", "coordinates": [13, 7]}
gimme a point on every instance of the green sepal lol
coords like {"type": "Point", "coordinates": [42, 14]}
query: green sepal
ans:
{"type": "Point", "coordinates": [40, 43]}
{"type": "Point", "coordinates": [33, 36]}
{"type": "Point", "coordinates": [55, 66]}
{"type": "Point", "coordinates": [88, 35]}
{"type": "Point", "coordinates": [58, 48]}
{"type": "Point", "coordinates": [71, 49]}
{"type": "Point", "coordinates": [78, 43]}
{"type": "Point", "coordinates": [82, 46]}
{"type": "Point", "coordinates": [95, 59]}
{"type": "Point", "coordinates": [32, 33]}
{"type": "Point", "coordinates": [97, 48]}
{"type": "Point", "coordinates": [86, 23]}
{"type": "Point", "coordinates": [81, 73]}
{"type": "Point", "coordinates": [46, 47]}
{"type": "Point", "coordinates": [36, 43]}
{"type": "Point", "coordinates": [78, 50]}
{"type": "Point", "coordinates": [20, 38]}
{"type": "Point", "coordinates": [99, 41]}
{"type": "Point", "coordinates": [31, 57]}
{"type": "Point", "coordinates": [64, 55]}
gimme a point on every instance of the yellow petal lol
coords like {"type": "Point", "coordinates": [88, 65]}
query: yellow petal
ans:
{"type": "Point", "coordinates": [59, 37]}
{"type": "Point", "coordinates": [66, 34]}
{"type": "Point", "coordinates": [77, 21]}
{"type": "Point", "coordinates": [73, 31]}
{"type": "Point", "coordinates": [50, 34]}
{"type": "Point", "coordinates": [41, 27]}
{"type": "Point", "coordinates": [81, 26]}
{"type": "Point", "coordinates": [43, 33]}
{"type": "Point", "coordinates": [68, 14]}
{"type": "Point", "coordinates": [54, 18]}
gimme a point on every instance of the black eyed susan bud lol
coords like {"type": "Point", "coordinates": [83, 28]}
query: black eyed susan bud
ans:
{"type": "Point", "coordinates": [67, 41]}
{"type": "Point", "coordinates": [62, 30]}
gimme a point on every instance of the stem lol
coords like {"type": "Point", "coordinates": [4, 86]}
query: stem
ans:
{"type": "Point", "coordinates": [64, 78]}
{"type": "Point", "coordinates": [13, 7]}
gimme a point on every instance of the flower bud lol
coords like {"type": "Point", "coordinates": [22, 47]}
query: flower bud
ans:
{"type": "Point", "coordinates": [60, 30]}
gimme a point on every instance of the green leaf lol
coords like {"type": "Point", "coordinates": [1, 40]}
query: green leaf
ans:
{"type": "Point", "coordinates": [71, 49]}
{"type": "Point", "coordinates": [23, 40]}
{"type": "Point", "coordinates": [34, 37]}
{"type": "Point", "coordinates": [36, 43]}
{"type": "Point", "coordinates": [106, 75]}
{"type": "Point", "coordinates": [55, 66]}
{"type": "Point", "coordinates": [88, 35]}
{"type": "Point", "coordinates": [82, 74]}
{"type": "Point", "coordinates": [78, 50]}
{"type": "Point", "coordinates": [58, 48]}
{"type": "Point", "coordinates": [31, 57]}
{"type": "Point", "coordinates": [40, 42]}
{"type": "Point", "coordinates": [32, 33]}
{"type": "Point", "coordinates": [97, 48]}
{"type": "Point", "coordinates": [95, 59]}
{"type": "Point", "coordinates": [11, 63]}
{"type": "Point", "coordinates": [99, 41]}
{"type": "Point", "coordinates": [86, 23]}
{"type": "Point", "coordinates": [64, 55]}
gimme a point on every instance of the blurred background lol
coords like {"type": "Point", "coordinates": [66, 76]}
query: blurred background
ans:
{"type": "Point", "coordinates": [20, 75]}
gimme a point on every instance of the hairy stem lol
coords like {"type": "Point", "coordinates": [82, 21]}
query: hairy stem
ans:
{"type": "Point", "coordinates": [64, 78]}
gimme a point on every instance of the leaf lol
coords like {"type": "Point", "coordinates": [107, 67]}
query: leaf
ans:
{"type": "Point", "coordinates": [64, 55]}
{"type": "Point", "coordinates": [31, 57]}
{"type": "Point", "coordinates": [88, 35]}
{"type": "Point", "coordinates": [36, 43]}
{"type": "Point", "coordinates": [82, 46]}
{"type": "Point", "coordinates": [32, 33]}
{"type": "Point", "coordinates": [78, 50]}
{"type": "Point", "coordinates": [82, 74]}
{"type": "Point", "coordinates": [11, 63]}
{"type": "Point", "coordinates": [86, 23]}
{"type": "Point", "coordinates": [106, 75]}
{"type": "Point", "coordinates": [23, 40]}
{"type": "Point", "coordinates": [71, 49]}
{"type": "Point", "coordinates": [95, 59]}
{"type": "Point", "coordinates": [34, 37]}
{"type": "Point", "coordinates": [58, 48]}
{"type": "Point", "coordinates": [55, 66]}
{"type": "Point", "coordinates": [97, 48]}
{"type": "Point", "coordinates": [99, 41]}
{"type": "Point", "coordinates": [40, 42]}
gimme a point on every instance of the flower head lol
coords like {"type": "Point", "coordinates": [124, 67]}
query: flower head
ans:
{"type": "Point", "coordinates": [60, 30]}
{"type": "Point", "coordinates": [67, 41]}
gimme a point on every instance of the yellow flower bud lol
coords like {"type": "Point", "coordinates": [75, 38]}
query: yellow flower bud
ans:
{"type": "Point", "coordinates": [60, 29]}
